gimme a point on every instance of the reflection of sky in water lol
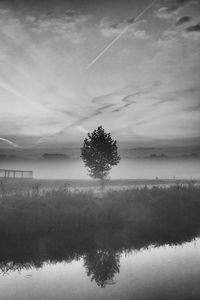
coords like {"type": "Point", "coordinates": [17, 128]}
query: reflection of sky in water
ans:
{"type": "Point", "coordinates": [128, 168]}
{"type": "Point", "coordinates": [156, 273]}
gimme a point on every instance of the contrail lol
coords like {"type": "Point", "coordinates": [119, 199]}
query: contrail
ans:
{"type": "Point", "coordinates": [74, 123]}
{"type": "Point", "coordinates": [77, 122]}
{"type": "Point", "coordinates": [119, 36]}
{"type": "Point", "coordinates": [12, 90]}
{"type": "Point", "coordinates": [9, 142]}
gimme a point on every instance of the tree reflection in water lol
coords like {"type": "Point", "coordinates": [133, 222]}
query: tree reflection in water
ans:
{"type": "Point", "coordinates": [102, 266]}
{"type": "Point", "coordinates": [6, 267]}
{"type": "Point", "coordinates": [100, 250]}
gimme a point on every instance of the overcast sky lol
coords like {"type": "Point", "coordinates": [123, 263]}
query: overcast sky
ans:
{"type": "Point", "coordinates": [145, 87]}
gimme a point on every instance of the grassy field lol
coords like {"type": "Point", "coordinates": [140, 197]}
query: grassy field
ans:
{"type": "Point", "coordinates": [158, 212]}
{"type": "Point", "coordinates": [27, 186]}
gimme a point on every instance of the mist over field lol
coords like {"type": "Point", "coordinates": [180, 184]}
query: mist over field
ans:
{"type": "Point", "coordinates": [65, 163]}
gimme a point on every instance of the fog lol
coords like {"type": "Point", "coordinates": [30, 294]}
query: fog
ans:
{"type": "Point", "coordinates": [127, 168]}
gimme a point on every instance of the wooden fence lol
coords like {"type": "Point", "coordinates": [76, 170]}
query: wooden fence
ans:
{"type": "Point", "coordinates": [5, 173]}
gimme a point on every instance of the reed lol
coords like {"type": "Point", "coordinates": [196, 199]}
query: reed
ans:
{"type": "Point", "coordinates": [175, 210]}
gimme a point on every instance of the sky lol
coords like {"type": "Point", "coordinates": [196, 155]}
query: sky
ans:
{"type": "Point", "coordinates": [144, 88]}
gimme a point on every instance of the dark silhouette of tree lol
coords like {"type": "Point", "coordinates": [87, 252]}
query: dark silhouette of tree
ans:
{"type": "Point", "coordinates": [99, 153]}
{"type": "Point", "coordinates": [102, 266]}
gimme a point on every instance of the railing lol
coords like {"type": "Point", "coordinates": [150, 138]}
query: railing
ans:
{"type": "Point", "coordinates": [5, 173]}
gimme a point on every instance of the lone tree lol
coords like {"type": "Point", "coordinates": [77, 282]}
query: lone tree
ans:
{"type": "Point", "coordinates": [99, 153]}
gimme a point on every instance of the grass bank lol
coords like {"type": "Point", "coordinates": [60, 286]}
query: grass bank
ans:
{"type": "Point", "coordinates": [155, 213]}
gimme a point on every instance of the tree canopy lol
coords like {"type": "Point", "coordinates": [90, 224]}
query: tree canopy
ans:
{"type": "Point", "coordinates": [99, 153]}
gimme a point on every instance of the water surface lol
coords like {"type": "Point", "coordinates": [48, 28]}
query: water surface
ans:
{"type": "Point", "coordinates": [100, 270]}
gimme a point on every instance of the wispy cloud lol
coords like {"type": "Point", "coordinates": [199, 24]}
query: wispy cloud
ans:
{"type": "Point", "coordinates": [167, 13]}
{"type": "Point", "coordinates": [172, 10]}
{"type": "Point", "coordinates": [69, 26]}
{"type": "Point", "coordinates": [192, 32]}
{"type": "Point", "coordinates": [179, 4]}
{"type": "Point", "coordinates": [182, 2]}
{"type": "Point", "coordinates": [17, 93]}
{"type": "Point", "coordinates": [4, 11]}
{"type": "Point", "coordinates": [182, 20]}
{"type": "Point", "coordinates": [110, 29]}
{"type": "Point", "coordinates": [193, 28]}
{"type": "Point", "coordinates": [128, 100]}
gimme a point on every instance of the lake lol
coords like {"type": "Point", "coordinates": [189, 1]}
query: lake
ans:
{"type": "Point", "coordinates": [127, 168]}
{"type": "Point", "coordinates": [82, 269]}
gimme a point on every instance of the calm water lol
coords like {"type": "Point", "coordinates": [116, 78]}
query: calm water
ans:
{"type": "Point", "coordinates": [163, 272]}
{"type": "Point", "coordinates": [128, 168]}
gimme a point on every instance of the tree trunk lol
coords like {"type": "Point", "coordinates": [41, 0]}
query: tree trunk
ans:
{"type": "Point", "coordinates": [102, 185]}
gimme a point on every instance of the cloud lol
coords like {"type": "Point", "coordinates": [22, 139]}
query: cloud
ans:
{"type": "Point", "coordinates": [194, 108]}
{"type": "Point", "coordinates": [77, 124]}
{"type": "Point", "coordinates": [67, 15]}
{"type": "Point", "coordinates": [64, 27]}
{"type": "Point", "coordinates": [171, 11]}
{"type": "Point", "coordinates": [105, 103]}
{"type": "Point", "coordinates": [182, 2]}
{"type": "Point", "coordinates": [179, 95]}
{"type": "Point", "coordinates": [68, 25]}
{"type": "Point", "coordinates": [31, 63]}
{"type": "Point", "coordinates": [46, 68]}
{"type": "Point", "coordinates": [166, 13]}
{"type": "Point", "coordinates": [192, 32]}
{"type": "Point", "coordinates": [82, 129]}
{"type": "Point", "coordinates": [124, 98]}
{"type": "Point", "coordinates": [131, 20]}
{"type": "Point", "coordinates": [128, 100]}
{"type": "Point", "coordinates": [140, 34]}
{"type": "Point", "coordinates": [30, 19]}
{"type": "Point", "coordinates": [193, 28]}
{"type": "Point", "coordinates": [152, 106]}
{"type": "Point", "coordinates": [3, 11]}
{"type": "Point", "coordinates": [19, 94]}
{"type": "Point", "coordinates": [109, 29]}
{"type": "Point", "coordinates": [72, 13]}
{"type": "Point", "coordinates": [183, 20]}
